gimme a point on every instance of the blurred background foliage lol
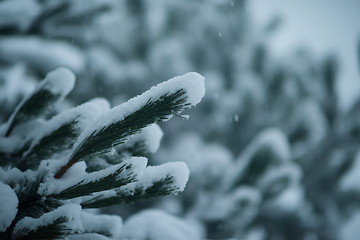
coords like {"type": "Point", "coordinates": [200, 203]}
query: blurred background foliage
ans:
{"type": "Point", "coordinates": [272, 154]}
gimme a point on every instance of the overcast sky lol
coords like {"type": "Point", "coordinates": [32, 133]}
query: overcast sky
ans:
{"type": "Point", "coordinates": [324, 26]}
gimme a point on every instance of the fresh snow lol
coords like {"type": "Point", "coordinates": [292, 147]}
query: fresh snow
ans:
{"type": "Point", "coordinates": [110, 224]}
{"type": "Point", "coordinates": [8, 206]}
{"type": "Point", "coordinates": [178, 170]}
{"type": "Point", "coordinates": [157, 225]}
{"type": "Point", "coordinates": [88, 236]}
{"type": "Point", "coordinates": [151, 136]}
{"type": "Point", "coordinates": [60, 81]}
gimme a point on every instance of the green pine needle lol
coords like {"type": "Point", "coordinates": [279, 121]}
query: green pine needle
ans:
{"type": "Point", "coordinates": [161, 187]}
{"type": "Point", "coordinates": [53, 231]}
{"type": "Point", "coordinates": [53, 143]}
{"type": "Point", "coordinates": [36, 105]}
{"type": "Point", "coordinates": [100, 141]}
{"type": "Point", "coordinates": [111, 181]}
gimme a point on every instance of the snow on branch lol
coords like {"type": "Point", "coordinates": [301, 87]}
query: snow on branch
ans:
{"type": "Point", "coordinates": [166, 179]}
{"type": "Point", "coordinates": [56, 86]}
{"type": "Point", "coordinates": [109, 178]}
{"type": "Point", "coordinates": [61, 132]}
{"type": "Point", "coordinates": [53, 225]}
{"type": "Point", "coordinates": [158, 104]}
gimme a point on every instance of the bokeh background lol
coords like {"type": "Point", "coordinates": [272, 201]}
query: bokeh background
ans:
{"type": "Point", "coordinates": [273, 147]}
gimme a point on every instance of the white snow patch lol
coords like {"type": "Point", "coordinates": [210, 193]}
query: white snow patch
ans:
{"type": "Point", "coordinates": [87, 236]}
{"type": "Point", "coordinates": [178, 170]}
{"type": "Point", "coordinates": [61, 81]}
{"type": "Point", "coordinates": [102, 223]}
{"type": "Point", "coordinates": [8, 206]}
{"type": "Point", "coordinates": [157, 225]}
{"type": "Point", "coordinates": [151, 136]}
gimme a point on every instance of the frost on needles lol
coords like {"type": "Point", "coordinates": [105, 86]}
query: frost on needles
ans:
{"type": "Point", "coordinates": [87, 157]}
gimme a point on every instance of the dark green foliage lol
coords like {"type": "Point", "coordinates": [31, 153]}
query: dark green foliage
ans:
{"type": "Point", "coordinates": [41, 158]}
{"type": "Point", "coordinates": [161, 187]}
{"type": "Point", "coordinates": [102, 140]}
{"type": "Point", "coordinates": [111, 181]}
{"type": "Point", "coordinates": [34, 106]}
{"type": "Point", "coordinates": [52, 231]}
{"type": "Point", "coordinates": [55, 142]}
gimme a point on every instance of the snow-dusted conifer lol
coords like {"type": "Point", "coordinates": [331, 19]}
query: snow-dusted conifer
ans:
{"type": "Point", "coordinates": [49, 171]}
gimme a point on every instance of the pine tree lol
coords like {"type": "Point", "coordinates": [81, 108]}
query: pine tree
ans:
{"type": "Point", "coordinates": [54, 167]}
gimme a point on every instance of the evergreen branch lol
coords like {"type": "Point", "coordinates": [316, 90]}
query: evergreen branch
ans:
{"type": "Point", "coordinates": [101, 140]}
{"type": "Point", "coordinates": [57, 224]}
{"type": "Point", "coordinates": [161, 187]}
{"type": "Point", "coordinates": [38, 103]}
{"type": "Point", "coordinates": [120, 176]}
{"type": "Point", "coordinates": [55, 230]}
{"type": "Point", "coordinates": [56, 85]}
{"type": "Point", "coordinates": [55, 142]}
{"type": "Point", "coordinates": [31, 203]}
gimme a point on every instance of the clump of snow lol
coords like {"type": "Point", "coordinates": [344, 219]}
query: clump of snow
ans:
{"type": "Point", "coordinates": [157, 225]}
{"type": "Point", "coordinates": [61, 81]}
{"type": "Point", "coordinates": [8, 206]}
{"type": "Point", "coordinates": [70, 211]}
{"type": "Point", "coordinates": [178, 170]}
{"type": "Point", "coordinates": [109, 224]}
{"type": "Point", "coordinates": [150, 136]}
